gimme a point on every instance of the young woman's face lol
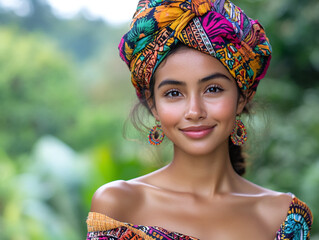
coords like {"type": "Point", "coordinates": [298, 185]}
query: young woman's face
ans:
{"type": "Point", "coordinates": [196, 101]}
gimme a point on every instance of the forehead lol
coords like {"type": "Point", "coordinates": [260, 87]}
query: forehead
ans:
{"type": "Point", "coordinates": [187, 63]}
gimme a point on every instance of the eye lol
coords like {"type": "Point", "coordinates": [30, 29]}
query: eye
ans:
{"type": "Point", "coordinates": [172, 93]}
{"type": "Point", "coordinates": [214, 89]}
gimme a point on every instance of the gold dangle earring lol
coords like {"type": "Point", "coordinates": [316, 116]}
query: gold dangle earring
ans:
{"type": "Point", "coordinates": [239, 133]}
{"type": "Point", "coordinates": [156, 135]}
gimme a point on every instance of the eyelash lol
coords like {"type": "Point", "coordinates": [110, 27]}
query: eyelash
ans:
{"type": "Point", "coordinates": [166, 94]}
{"type": "Point", "coordinates": [215, 87]}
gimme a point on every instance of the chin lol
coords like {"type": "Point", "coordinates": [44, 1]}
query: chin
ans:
{"type": "Point", "coordinates": [202, 148]}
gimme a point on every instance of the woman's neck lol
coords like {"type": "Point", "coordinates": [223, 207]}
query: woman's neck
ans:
{"type": "Point", "coordinates": [204, 175]}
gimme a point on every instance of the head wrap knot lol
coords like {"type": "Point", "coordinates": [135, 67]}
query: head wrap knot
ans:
{"type": "Point", "coordinates": [215, 27]}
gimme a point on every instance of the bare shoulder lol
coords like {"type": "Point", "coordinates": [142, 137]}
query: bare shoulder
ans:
{"type": "Point", "coordinates": [275, 202]}
{"type": "Point", "coordinates": [269, 199]}
{"type": "Point", "coordinates": [270, 203]}
{"type": "Point", "coordinates": [273, 208]}
{"type": "Point", "coordinates": [116, 199]}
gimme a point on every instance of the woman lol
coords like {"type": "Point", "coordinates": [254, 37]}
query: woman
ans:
{"type": "Point", "coordinates": [196, 65]}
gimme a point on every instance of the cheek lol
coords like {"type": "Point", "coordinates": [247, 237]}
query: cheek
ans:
{"type": "Point", "coordinates": [169, 113]}
{"type": "Point", "coordinates": [224, 110]}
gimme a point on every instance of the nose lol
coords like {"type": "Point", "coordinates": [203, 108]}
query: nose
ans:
{"type": "Point", "coordinates": [195, 109]}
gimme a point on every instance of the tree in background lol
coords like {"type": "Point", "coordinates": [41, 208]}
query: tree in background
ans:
{"type": "Point", "coordinates": [38, 91]}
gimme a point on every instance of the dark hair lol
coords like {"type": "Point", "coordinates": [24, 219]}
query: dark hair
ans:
{"type": "Point", "coordinates": [237, 156]}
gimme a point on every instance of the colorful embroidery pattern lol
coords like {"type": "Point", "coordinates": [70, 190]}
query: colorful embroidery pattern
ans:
{"type": "Point", "coordinates": [215, 27]}
{"type": "Point", "coordinates": [298, 222]}
{"type": "Point", "coordinates": [101, 227]}
{"type": "Point", "coordinates": [122, 233]}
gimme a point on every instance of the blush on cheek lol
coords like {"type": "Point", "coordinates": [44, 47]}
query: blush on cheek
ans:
{"type": "Point", "coordinates": [169, 114]}
{"type": "Point", "coordinates": [223, 109]}
{"type": "Point", "coordinates": [224, 112]}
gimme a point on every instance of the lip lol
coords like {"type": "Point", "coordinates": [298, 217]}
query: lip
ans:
{"type": "Point", "coordinates": [197, 132]}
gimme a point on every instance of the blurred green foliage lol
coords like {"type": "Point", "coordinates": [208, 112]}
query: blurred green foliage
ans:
{"type": "Point", "coordinates": [38, 90]}
{"type": "Point", "coordinates": [65, 97]}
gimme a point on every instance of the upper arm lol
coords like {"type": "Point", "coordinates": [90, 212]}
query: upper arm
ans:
{"type": "Point", "coordinates": [115, 199]}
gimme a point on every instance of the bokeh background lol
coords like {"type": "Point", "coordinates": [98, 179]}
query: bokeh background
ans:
{"type": "Point", "coordinates": [65, 99]}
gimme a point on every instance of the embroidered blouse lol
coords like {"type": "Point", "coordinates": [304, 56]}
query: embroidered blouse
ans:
{"type": "Point", "coordinates": [296, 226]}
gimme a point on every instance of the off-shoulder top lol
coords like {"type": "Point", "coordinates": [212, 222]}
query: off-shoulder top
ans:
{"type": "Point", "coordinates": [101, 227]}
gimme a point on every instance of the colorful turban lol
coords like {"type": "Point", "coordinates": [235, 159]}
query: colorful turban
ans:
{"type": "Point", "coordinates": [215, 27]}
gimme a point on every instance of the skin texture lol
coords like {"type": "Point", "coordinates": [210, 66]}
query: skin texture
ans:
{"type": "Point", "coordinates": [198, 193]}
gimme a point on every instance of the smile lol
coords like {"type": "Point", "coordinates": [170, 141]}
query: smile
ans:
{"type": "Point", "coordinates": [198, 131]}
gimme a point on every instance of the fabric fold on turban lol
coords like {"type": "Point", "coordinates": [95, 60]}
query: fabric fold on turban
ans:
{"type": "Point", "coordinates": [215, 27]}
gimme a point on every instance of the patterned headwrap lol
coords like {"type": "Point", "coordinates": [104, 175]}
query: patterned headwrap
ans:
{"type": "Point", "coordinates": [215, 27]}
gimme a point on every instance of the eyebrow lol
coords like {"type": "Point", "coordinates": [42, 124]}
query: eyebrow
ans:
{"type": "Point", "coordinates": [205, 79]}
{"type": "Point", "coordinates": [213, 76]}
{"type": "Point", "coordinates": [171, 82]}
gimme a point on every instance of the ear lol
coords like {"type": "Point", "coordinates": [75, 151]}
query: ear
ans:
{"type": "Point", "coordinates": [242, 101]}
{"type": "Point", "coordinates": [151, 104]}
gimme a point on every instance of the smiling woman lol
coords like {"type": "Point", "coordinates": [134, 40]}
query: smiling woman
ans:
{"type": "Point", "coordinates": [196, 100]}
{"type": "Point", "coordinates": [195, 66]}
